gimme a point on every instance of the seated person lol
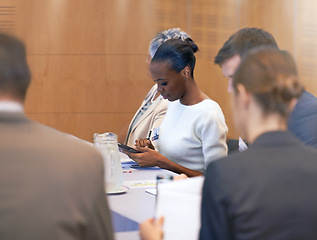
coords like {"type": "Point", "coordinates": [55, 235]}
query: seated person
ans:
{"type": "Point", "coordinates": [51, 184]}
{"type": "Point", "coordinates": [269, 190]}
{"type": "Point", "coordinates": [193, 132]}
{"type": "Point", "coordinates": [302, 121]}
{"type": "Point", "coordinates": [153, 109]}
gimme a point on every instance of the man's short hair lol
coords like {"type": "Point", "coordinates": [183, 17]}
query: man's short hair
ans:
{"type": "Point", "coordinates": [15, 76]}
{"type": "Point", "coordinates": [242, 41]}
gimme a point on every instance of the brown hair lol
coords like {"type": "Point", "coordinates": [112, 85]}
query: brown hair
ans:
{"type": "Point", "coordinates": [270, 75]}
{"type": "Point", "coordinates": [244, 40]}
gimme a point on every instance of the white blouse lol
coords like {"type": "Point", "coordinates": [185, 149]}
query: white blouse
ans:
{"type": "Point", "coordinates": [193, 136]}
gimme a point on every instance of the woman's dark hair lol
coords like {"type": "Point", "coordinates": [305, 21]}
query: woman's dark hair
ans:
{"type": "Point", "coordinates": [178, 54]}
{"type": "Point", "coordinates": [270, 75]}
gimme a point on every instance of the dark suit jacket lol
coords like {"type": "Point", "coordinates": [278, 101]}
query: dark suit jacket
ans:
{"type": "Point", "coordinates": [51, 184]}
{"type": "Point", "coordinates": [303, 120]}
{"type": "Point", "coordinates": [267, 192]}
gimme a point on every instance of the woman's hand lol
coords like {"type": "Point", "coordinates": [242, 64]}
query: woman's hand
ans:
{"type": "Point", "coordinates": [147, 157]}
{"type": "Point", "coordinates": [151, 158]}
{"type": "Point", "coordinates": [144, 142]}
{"type": "Point", "coordinates": [179, 177]}
{"type": "Point", "coordinates": [152, 229]}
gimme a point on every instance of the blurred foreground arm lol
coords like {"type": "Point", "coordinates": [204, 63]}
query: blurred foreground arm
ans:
{"type": "Point", "coordinates": [152, 229]}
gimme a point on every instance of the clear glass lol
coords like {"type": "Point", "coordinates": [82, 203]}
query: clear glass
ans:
{"type": "Point", "coordinates": [107, 144]}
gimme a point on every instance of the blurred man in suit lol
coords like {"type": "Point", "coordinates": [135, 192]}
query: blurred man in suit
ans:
{"type": "Point", "coordinates": [51, 184]}
{"type": "Point", "coordinates": [303, 120]}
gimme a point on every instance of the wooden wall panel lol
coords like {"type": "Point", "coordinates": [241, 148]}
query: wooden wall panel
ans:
{"type": "Point", "coordinates": [131, 26]}
{"type": "Point", "coordinates": [171, 14]}
{"type": "Point", "coordinates": [274, 16]}
{"type": "Point", "coordinates": [85, 27]}
{"type": "Point", "coordinates": [211, 23]}
{"type": "Point", "coordinates": [8, 16]}
{"type": "Point", "coordinates": [88, 57]}
{"type": "Point", "coordinates": [86, 83]}
{"type": "Point", "coordinates": [63, 27]}
{"type": "Point", "coordinates": [83, 125]}
{"type": "Point", "coordinates": [306, 43]}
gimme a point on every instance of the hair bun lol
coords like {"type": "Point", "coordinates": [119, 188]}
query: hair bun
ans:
{"type": "Point", "coordinates": [191, 43]}
{"type": "Point", "coordinates": [287, 88]}
{"type": "Point", "coordinates": [270, 75]}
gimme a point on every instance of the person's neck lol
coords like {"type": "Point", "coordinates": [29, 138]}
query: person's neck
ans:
{"type": "Point", "coordinates": [9, 98]}
{"type": "Point", "coordinates": [193, 94]}
{"type": "Point", "coordinates": [262, 124]}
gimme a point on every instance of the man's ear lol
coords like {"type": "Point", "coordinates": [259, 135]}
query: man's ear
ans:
{"type": "Point", "coordinates": [243, 95]}
{"type": "Point", "coordinates": [186, 72]}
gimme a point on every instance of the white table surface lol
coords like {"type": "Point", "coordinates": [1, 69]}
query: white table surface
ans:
{"type": "Point", "coordinates": [135, 204]}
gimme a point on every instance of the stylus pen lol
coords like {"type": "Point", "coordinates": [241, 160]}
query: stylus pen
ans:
{"type": "Point", "coordinates": [148, 138]}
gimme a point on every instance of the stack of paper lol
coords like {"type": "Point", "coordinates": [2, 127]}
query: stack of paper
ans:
{"type": "Point", "coordinates": [180, 203]}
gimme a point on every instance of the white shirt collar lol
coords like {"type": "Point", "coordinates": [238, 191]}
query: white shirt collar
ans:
{"type": "Point", "coordinates": [10, 106]}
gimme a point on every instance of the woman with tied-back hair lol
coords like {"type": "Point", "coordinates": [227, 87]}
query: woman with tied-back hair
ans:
{"type": "Point", "coordinates": [150, 114]}
{"type": "Point", "coordinates": [193, 132]}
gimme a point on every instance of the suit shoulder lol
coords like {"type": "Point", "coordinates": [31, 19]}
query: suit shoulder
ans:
{"type": "Point", "coordinates": [62, 141]}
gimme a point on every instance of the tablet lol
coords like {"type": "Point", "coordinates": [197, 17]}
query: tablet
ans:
{"type": "Point", "coordinates": [127, 148]}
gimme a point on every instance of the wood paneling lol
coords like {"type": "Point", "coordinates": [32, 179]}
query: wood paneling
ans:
{"type": "Point", "coordinates": [85, 27]}
{"type": "Point", "coordinates": [63, 27]}
{"type": "Point", "coordinates": [171, 14]}
{"type": "Point", "coordinates": [131, 25]}
{"type": "Point", "coordinates": [88, 57]}
{"type": "Point", "coordinates": [83, 125]}
{"type": "Point", "coordinates": [212, 21]}
{"type": "Point", "coordinates": [306, 43]}
{"type": "Point", "coordinates": [87, 83]}
{"type": "Point", "coordinates": [8, 16]}
{"type": "Point", "coordinates": [275, 16]}
{"type": "Point", "coordinates": [87, 60]}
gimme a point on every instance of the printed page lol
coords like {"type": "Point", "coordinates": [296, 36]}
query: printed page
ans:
{"type": "Point", "coordinates": [180, 203]}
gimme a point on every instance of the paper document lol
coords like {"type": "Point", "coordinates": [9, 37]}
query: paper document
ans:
{"type": "Point", "coordinates": [140, 184]}
{"type": "Point", "coordinates": [151, 191]}
{"type": "Point", "coordinates": [180, 203]}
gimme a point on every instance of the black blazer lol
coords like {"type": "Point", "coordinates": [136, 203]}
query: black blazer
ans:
{"type": "Point", "coordinates": [266, 192]}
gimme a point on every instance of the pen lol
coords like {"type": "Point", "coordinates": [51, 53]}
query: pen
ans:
{"type": "Point", "coordinates": [148, 138]}
{"type": "Point", "coordinates": [127, 171]}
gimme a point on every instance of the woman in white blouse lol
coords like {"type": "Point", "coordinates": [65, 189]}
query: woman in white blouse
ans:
{"type": "Point", "coordinates": [151, 113]}
{"type": "Point", "coordinates": [193, 132]}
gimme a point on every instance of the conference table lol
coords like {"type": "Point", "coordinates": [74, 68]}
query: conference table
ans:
{"type": "Point", "coordinates": [137, 203]}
